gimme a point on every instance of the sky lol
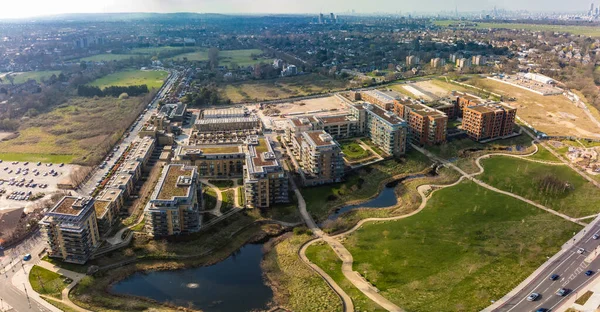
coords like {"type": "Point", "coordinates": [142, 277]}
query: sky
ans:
{"type": "Point", "coordinates": [32, 8]}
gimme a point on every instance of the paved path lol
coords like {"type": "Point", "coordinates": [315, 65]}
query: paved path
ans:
{"type": "Point", "coordinates": [217, 210]}
{"type": "Point", "coordinates": [76, 277]}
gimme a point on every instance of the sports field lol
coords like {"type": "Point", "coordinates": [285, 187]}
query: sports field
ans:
{"type": "Point", "coordinates": [35, 75]}
{"type": "Point", "coordinates": [576, 30]}
{"type": "Point", "coordinates": [106, 57]}
{"type": "Point", "coordinates": [125, 78]}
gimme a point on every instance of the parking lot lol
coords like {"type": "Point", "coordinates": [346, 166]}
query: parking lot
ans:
{"type": "Point", "coordinates": [22, 184]}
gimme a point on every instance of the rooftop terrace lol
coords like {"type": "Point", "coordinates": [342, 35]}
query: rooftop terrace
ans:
{"type": "Point", "coordinates": [171, 186]}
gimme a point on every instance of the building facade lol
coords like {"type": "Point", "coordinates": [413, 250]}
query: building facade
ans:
{"type": "Point", "coordinates": [174, 206]}
{"type": "Point", "coordinates": [426, 126]}
{"type": "Point", "coordinates": [213, 161]}
{"type": "Point", "coordinates": [489, 121]}
{"type": "Point", "coordinates": [320, 157]}
{"type": "Point", "coordinates": [71, 229]}
{"type": "Point", "coordinates": [265, 180]}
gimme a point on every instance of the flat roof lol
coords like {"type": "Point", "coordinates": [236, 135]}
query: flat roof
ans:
{"type": "Point", "coordinates": [491, 107]}
{"type": "Point", "coordinates": [319, 138]}
{"type": "Point", "coordinates": [380, 96]}
{"type": "Point", "coordinates": [170, 186]}
{"type": "Point", "coordinates": [336, 119]}
{"type": "Point", "coordinates": [385, 115]}
{"type": "Point", "coordinates": [111, 193]}
{"type": "Point", "coordinates": [72, 206]}
{"type": "Point", "coordinates": [424, 110]}
{"type": "Point", "coordinates": [101, 206]}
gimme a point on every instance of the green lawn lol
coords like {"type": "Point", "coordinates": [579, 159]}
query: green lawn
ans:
{"type": "Point", "coordinates": [576, 30]}
{"type": "Point", "coordinates": [125, 78]}
{"type": "Point", "coordinates": [544, 154]}
{"type": "Point", "coordinates": [557, 187]}
{"type": "Point", "coordinates": [226, 57]}
{"type": "Point", "coordinates": [35, 75]}
{"type": "Point", "coordinates": [323, 256]}
{"type": "Point", "coordinates": [361, 185]}
{"type": "Point", "coordinates": [354, 151]}
{"type": "Point", "coordinates": [467, 247]}
{"type": "Point", "coordinates": [45, 158]}
{"type": "Point", "coordinates": [154, 50]}
{"type": "Point", "coordinates": [67, 266]}
{"type": "Point", "coordinates": [107, 57]}
{"type": "Point", "coordinates": [222, 184]}
{"type": "Point", "coordinates": [228, 198]}
{"type": "Point", "coordinates": [374, 147]}
{"type": "Point", "coordinates": [46, 282]}
{"type": "Point", "coordinates": [210, 198]}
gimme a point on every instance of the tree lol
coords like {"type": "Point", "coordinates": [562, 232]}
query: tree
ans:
{"type": "Point", "coordinates": [11, 79]}
{"type": "Point", "coordinates": [213, 57]}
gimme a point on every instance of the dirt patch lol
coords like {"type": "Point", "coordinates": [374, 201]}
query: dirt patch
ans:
{"type": "Point", "coordinates": [5, 136]}
{"type": "Point", "coordinates": [329, 104]}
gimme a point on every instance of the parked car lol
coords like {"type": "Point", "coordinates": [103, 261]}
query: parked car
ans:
{"type": "Point", "coordinates": [533, 297]}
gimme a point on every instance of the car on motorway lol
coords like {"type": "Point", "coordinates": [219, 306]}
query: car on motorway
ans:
{"type": "Point", "coordinates": [542, 310]}
{"type": "Point", "coordinates": [580, 251]}
{"type": "Point", "coordinates": [533, 297]}
{"type": "Point", "coordinates": [589, 272]}
{"type": "Point", "coordinates": [596, 236]}
{"type": "Point", "coordinates": [554, 277]}
{"type": "Point", "coordinates": [27, 257]}
{"type": "Point", "coordinates": [561, 292]}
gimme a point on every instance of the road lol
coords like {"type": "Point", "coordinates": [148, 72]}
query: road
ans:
{"type": "Point", "coordinates": [90, 184]}
{"type": "Point", "coordinates": [570, 266]}
{"type": "Point", "coordinates": [11, 266]}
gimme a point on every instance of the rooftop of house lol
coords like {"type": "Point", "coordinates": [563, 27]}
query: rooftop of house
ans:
{"type": "Point", "coordinates": [101, 206]}
{"type": "Point", "coordinates": [175, 182]}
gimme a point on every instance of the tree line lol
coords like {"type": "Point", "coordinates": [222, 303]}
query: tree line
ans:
{"type": "Point", "coordinates": [114, 91]}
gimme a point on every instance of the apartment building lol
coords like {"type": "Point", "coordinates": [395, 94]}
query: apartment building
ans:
{"type": "Point", "coordinates": [224, 120]}
{"type": "Point", "coordinates": [412, 60]}
{"type": "Point", "coordinates": [114, 195]}
{"type": "Point", "coordinates": [320, 157]}
{"type": "Point", "coordinates": [463, 63]}
{"type": "Point", "coordinates": [478, 60]}
{"type": "Point", "coordinates": [378, 98]}
{"type": "Point", "coordinates": [174, 112]}
{"type": "Point", "coordinates": [71, 229]}
{"type": "Point", "coordinates": [464, 100]}
{"type": "Point", "coordinates": [445, 106]}
{"type": "Point", "coordinates": [426, 126]}
{"type": "Point", "coordinates": [437, 62]}
{"type": "Point", "coordinates": [489, 121]}
{"type": "Point", "coordinates": [265, 180]}
{"type": "Point", "coordinates": [174, 206]}
{"type": "Point", "coordinates": [338, 126]}
{"type": "Point", "coordinates": [213, 161]}
{"type": "Point", "coordinates": [141, 151]}
{"type": "Point", "coordinates": [106, 215]}
{"type": "Point", "coordinates": [386, 130]}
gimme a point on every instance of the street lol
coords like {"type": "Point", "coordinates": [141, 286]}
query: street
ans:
{"type": "Point", "coordinates": [570, 267]}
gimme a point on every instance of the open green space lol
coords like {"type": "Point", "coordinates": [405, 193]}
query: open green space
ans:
{"type": "Point", "coordinates": [374, 147]}
{"type": "Point", "coordinates": [226, 57]}
{"type": "Point", "coordinates": [46, 282]}
{"type": "Point", "coordinates": [323, 256]}
{"type": "Point", "coordinates": [154, 50]}
{"type": "Point", "coordinates": [556, 187]}
{"type": "Point", "coordinates": [107, 57]}
{"type": "Point", "coordinates": [280, 88]}
{"type": "Point", "coordinates": [354, 151]}
{"type": "Point", "coordinates": [210, 198]}
{"type": "Point", "coordinates": [228, 198]}
{"type": "Point", "coordinates": [544, 154]}
{"type": "Point", "coordinates": [360, 185]}
{"type": "Point", "coordinates": [35, 75]}
{"type": "Point", "coordinates": [297, 287]}
{"type": "Point", "coordinates": [575, 30]}
{"type": "Point", "coordinates": [80, 131]}
{"type": "Point", "coordinates": [222, 184]}
{"type": "Point", "coordinates": [467, 247]}
{"type": "Point", "coordinates": [151, 78]}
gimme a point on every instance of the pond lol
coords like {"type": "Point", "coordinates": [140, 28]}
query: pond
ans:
{"type": "Point", "coordinates": [235, 284]}
{"type": "Point", "coordinates": [387, 198]}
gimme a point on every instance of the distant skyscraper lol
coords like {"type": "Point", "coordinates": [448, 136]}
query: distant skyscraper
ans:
{"type": "Point", "coordinates": [321, 18]}
{"type": "Point", "coordinates": [333, 19]}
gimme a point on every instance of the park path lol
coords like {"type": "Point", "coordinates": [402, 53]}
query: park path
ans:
{"type": "Point", "coordinates": [217, 210]}
{"type": "Point", "coordinates": [425, 192]}
{"type": "Point", "coordinates": [74, 276]}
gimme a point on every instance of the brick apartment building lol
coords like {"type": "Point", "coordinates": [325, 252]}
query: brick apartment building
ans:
{"type": "Point", "coordinates": [320, 157]}
{"type": "Point", "coordinates": [489, 121]}
{"type": "Point", "coordinates": [426, 126]}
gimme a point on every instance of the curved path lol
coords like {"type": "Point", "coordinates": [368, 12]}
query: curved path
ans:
{"type": "Point", "coordinates": [217, 210]}
{"type": "Point", "coordinates": [347, 260]}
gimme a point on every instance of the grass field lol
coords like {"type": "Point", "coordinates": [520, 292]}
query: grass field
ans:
{"type": "Point", "coordinates": [557, 187]}
{"type": "Point", "coordinates": [281, 88]}
{"type": "Point", "coordinates": [35, 75]}
{"type": "Point", "coordinates": [576, 30]}
{"type": "Point", "coordinates": [554, 115]}
{"type": "Point", "coordinates": [354, 151]}
{"type": "Point", "coordinates": [75, 132]}
{"type": "Point", "coordinates": [297, 287]}
{"type": "Point", "coordinates": [154, 50]}
{"type": "Point", "coordinates": [544, 154]}
{"type": "Point", "coordinates": [467, 247]}
{"type": "Point", "coordinates": [106, 57]}
{"type": "Point", "coordinates": [210, 198]}
{"type": "Point", "coordinates": [46, 282]}
{"type": "Point", "coordinates": [323, 256]}
{"type": "Point", "coordinates": [226, 57]}
{"type": "Point", "coordinates": [361, 185]}
{"type": "Point", "coordinates": [125, 78]}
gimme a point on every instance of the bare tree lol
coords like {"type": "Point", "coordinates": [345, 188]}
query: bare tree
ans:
{"type": "Point", "coordinates": [213, 57]}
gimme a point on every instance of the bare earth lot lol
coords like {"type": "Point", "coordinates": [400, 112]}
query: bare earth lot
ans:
{"type": "Point", "coordinates": [331, 104]}
{"type": "Point", "coordinates": [554, 115]}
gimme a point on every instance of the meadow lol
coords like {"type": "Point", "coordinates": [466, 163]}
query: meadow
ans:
{"type": "Point", "coordinates": [226, 57]}
{"type": "Point", "coordinates": [106, 57]}
{"type": "Point", "coordinates": [35, 75]}
{"type": "Point", "coordinates": [125, 78]}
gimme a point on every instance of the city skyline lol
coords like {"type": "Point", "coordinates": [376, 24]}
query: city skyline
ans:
{"type": "Point", "coordinates": [37, 8]}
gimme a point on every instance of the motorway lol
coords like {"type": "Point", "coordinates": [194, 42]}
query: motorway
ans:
{"type": "Point", "coordinates": [88, 187]}
{"type": "Point", "coordinates": [570, 266]}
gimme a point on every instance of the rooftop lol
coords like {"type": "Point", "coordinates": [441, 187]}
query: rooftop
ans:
{"type": "Point", "coordinates": [171, 185]}
{"type": "Point", "coordinates": [491, 107]}
{"type": "Point", "coordinates": [319, 138]}
{"type": "Point", "coordinates": [212, 149]}
{"type": "Point", "coordinates": [380, 96]}
{"type": "Point", "coordinates": [223, 113]}
{"type": "Point", "coordinates": [101, 206]}
{"type": "Point", "coordinates": [385, 115]}
{"type": "Point", "coordinates": [72, 206]}
{"type": "Point", "coordinates": [335, 119]}
{"type": "Point", "coordinates": [261, 156]}
{"type": "Point", "coordinates": [110, 194]}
